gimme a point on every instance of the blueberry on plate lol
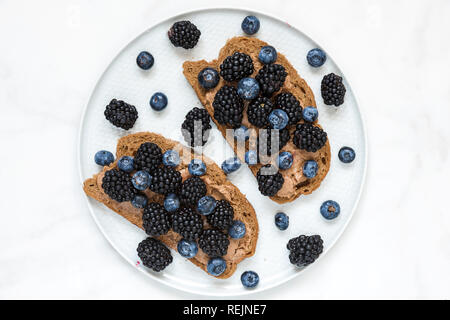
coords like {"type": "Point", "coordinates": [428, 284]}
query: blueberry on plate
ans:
{"type": "Point", "coordinates": [310, 168]}
{"type": "Point", "coordinates": [310, 114]}
{"type": "Point", "coordinates": [248, 88]}
{"type": "Point", "coordinates": [250, 25]}
{"type": "Point", "coordinates": [158, 101]}
{"type": "Point", "coordinates": [171, 202]}
{"type": "Point", "coordinates": [249, 279]}
{"type": "Point", "coordinates": [267, 55]}
{"type": "Point", "coordinates": [141, 180]}
{"type": "Point", "coordinates": [126, 164]}
{"type": "Point", "coordinates": [316, 57]}
{"type": "Point", "coordinates": [330, 209]}
{"type": "Point", "coordinates": [208, 78]}
{"type": "Point", "coordinates": [285, 160]}
{"type": "Point", "coordinates": [281, 221]}
{"type": "Point", "coordinates": [251, 157]}
{"type": "Point", "coordinates": [237, 229]}
{"type": "Point", "coordinates": [216, 266]}
{"type": "Point", "coordinates": [171, 158]}
{"type": "Point", "coordinates": [197, 167]}
{"type": "Point", "coordinates": [230, 165]}
{"type": "Point", "coordinates": [346, 154]}
{"type": "Point", "coordinates": [145, 60]}
{"type": "Point", "coordinates": [241, 133]}
{"type": "Point", "coordinates": [278, 119]}
{"type": "Point", "coordinates": [206, 205]}
{"type": "Point", "coordinates": [139, 201]}
{"type": "Point", "coordinates": [103, 158]}
{"type": "Point", "coordinates": [187, 249]}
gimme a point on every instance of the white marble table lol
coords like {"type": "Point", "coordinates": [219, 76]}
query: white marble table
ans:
{"type": "Point", "coordinates": [396, 56]}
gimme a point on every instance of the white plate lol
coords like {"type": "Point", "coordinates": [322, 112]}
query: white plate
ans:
{"type": "Point", "coordinates": [124, 80]}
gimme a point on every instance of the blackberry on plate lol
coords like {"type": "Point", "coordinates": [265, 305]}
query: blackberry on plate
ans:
{"type": "Point", "coordinates": [287, 102]}
{"type": "Point", "coordinates": [271, 78]}
{"type": "Point", "coordinates": [154, 254]}
{"type": "Point", "coordinates": [148, 157]}
{"type": "Point", "coordinates": [165, 180]}
{"type": "Point", "coordinates": [184, 34]}
{"type": "Point", "coordinates": [117, 185]}
{"type": "Point", "coordinates": [187, 223]}
{"type": "Point", "coordinates": [155, 220]}
{"type": "Point", "coordinates": [333, 90]}
{"type": "Point", "coordinates": [237, 66]}
{"type": "Point", "coordinates": [309, 137]}
{"type": "Point", "coordinates": [265, 147]}
{"type": "Point", "coordinates": [270, 181]}
{"type": "Point", "coordinates": [121, 114]}
{"type": "Point", "coordinates": [228, 106]}
{"type": "Point", "coordinates": [222, 216]}
{"type": "Point", "coordinates": [196, 127]}
{"type": "Point", "coordinates": [192, 190]}
{"type": "Point", "coordinates": [258, 111]}
{"type": "Point", "coordinates": [214, 243]}
{"type": "Point", "coordinates": [304, 250]}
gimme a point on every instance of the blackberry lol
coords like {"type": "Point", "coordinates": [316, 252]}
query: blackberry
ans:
{"type": "Point", "coordinates": [121, 114]}
{"type": "Point", "coordinates": [309, 137]}
{"type": "Point", "coordinates": [237, 66]}
{"type": "Point", "coordinates": [289, 104]}
{"type": "Point", "coordinates": [187, 223]}
{"type": "Point", "coordinates": [154, 254]}
{"type": "Point", "coordinates": [192, 190]}
{"type": "Point", "coordinates": [148, 157]}
{"type": "Point", "coordinates": [271, 78]}
{"type": "Point", "coordinates": [304, 250]}
{"type": "Point", "coordinates": [196, 127]}
{"type": "Point", "coordinates": [228, 106]}
{"type": "Point", "coordinates": [165, 180]}
{"type": "Point", "coordinates": [222, 216]}
{"type": "Point", "coordinates": [156, 220]}
{"type": "Point", "coordinates": [265, 135]}
{"type": "Point", "coordinates": [270, 182]}
{"type": "Point", "coordinates": [258, 111]}
{"type": "Point", "coordinates": [117, 185]}
{"type": "Point", "coordinates": [184, 34]}
{"type": "Point", "coordinates": [214, 243]}
{"type": "Point", "coordinates": [333, 90]}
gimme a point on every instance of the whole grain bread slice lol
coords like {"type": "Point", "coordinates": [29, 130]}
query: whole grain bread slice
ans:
{"type": "Point", "coordinates": [295, 183]}
{"type": "Point", "coordinates": [217, 185]}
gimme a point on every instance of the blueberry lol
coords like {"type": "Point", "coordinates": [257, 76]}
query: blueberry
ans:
{"type": "Point", "coordinates": [250, 25]}
{"type": "Point", "coordinates": [249, 279]}
{"type": "Point", "coordinates": [241, 133]}
{"type": "Point", "coordinates": [104, 158]}
{"type": "Point", "coordinates": [330, 209]}
{"type": "Point", "coordinates": [310, 114]}
{"type": "Point", "coordinates": [216, 266]}
{"type": "Point", "coordinates": [197, 167]}
{"type": "Point", "coordinates": [316, 57]}
{"type": "Point", "coordinates": [139, 201]}
{"type": "Point", "coordinates": [230, 165]}
{"type": "Point", "coordinates": [248, 88]}
{"type": "Point", "coordinates": [206, 205]}
{"type": "Point", "coordinates": [171, 158]}
{"type": "Point", "coordinates": [141, 180]}
{"type": "Point", "coordinates": [281, 221]}
{"type": "Point", "coordinates": [267, 55]}
{"type": "Point", "coordinates": [126, 164]}
{"type": "Point", "coordinates": [187, 249]}
{"type": "Point", "coordinates": [171, 202]}
{"type": "Point", "coordinates": [346, 154]}
{"type": "Point", "coordinates": [278, 119]}
{"type": "Point", "coordinates": [145, 60]}
{"type": "Point", "coordinates": [285, 160]}
{"type": "Point", "coordinates": [237, 229]}
{"type": "Point", "coordinates": [208, 78]}
{"type": "Point", "coordinates": [158, 101]}
{"type": "Point", "coordinates": [310, 168]}
{"type": "Point", "coordinates": [251, 157]}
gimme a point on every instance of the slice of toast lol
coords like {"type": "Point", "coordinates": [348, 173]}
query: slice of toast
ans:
{"type": "Point", "coordinates": [217, 185]}
{"type": "Point", "coordinates": [295, 183]}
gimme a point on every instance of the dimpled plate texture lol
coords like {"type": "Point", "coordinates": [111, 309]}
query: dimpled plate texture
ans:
{"type": "Point", "coordinates": [124, 80]}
